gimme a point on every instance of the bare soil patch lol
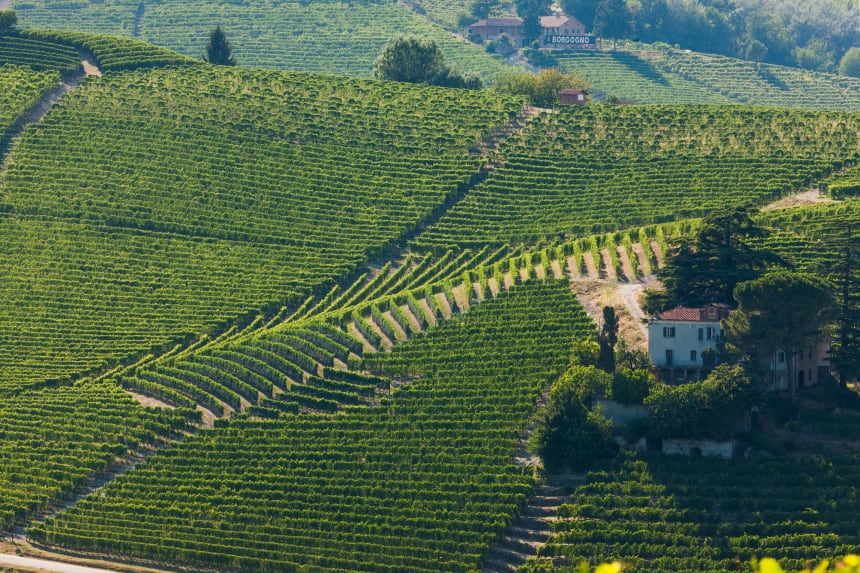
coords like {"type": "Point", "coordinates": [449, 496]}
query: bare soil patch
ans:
{"type": "Point", "coordinates": [810, 197]}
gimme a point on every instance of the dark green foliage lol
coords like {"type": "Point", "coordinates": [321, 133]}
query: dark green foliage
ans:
{"type": "Point", "coordinates": [849, 65]}
{"type": "Point", "coordinates": [583, 10]}
{"type": "Point", "coordinates": [707, 268]}
{"type": "Point", "coordinates": [8, 22]}
{"type": "Point", "coordinates": [612, 19]}
{"type": "Point", "coordinates": [419, 61]}
{"type": "Point", "coordinates": [218, 50]}
{"type": "Point", "coordinates": [482, 8]}
{"type": "Point", "coordinates": [606, 338]}
{"type": "Point", "coordinates": [781, 310]}
{"type": "Point", "coordinates": [531, 11]}
{"type": "Point", "coordinates": [631, 386]}
{"type": "Point", "coordinates": [568, 433]}
{"type": "Point", "coordinates": [701, 409]}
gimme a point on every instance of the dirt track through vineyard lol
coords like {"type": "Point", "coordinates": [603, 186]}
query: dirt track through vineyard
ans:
{"type": "Point", "coordinates": [48, 98]}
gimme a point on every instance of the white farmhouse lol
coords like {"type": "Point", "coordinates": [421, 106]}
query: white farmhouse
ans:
{"type": "Point", "coordinates": [682, 342]}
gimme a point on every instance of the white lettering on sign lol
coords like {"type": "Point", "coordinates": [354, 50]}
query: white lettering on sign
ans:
{"type": "Point", "coordinates": [569, 39]}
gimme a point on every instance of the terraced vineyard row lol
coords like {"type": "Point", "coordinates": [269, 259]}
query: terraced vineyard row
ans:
{"type": "Point", "coordinates": [196, 198]}
{"type": "Point", "coordinates": [601, 168]}
{"type": "Point", "coordinates": [762, 84]}
{"type": "Point", "coordinates": [38, 54]}
{"type": "Point", "coordinates": [667, 514]}
{"type": "Point", "coordinates": [114, 53]}
{"type": "Point", "coordinates": [675, 77]}
{"type": "Point", "coordinates": [424, 482]}
{"type": "Point", "coordinates": [626, 76]}
{"type": "Point", "coordinates": [20, 87]}
{"type": "Point", "coordinates": [324, 37]}
{"type": "Point", "coordinates": [55, 440]}
{"type": "Point", "coordinates": [302, 361]}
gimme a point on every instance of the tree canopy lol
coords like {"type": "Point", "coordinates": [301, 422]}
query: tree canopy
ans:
{"type": "Point", "coordinates": [849, 65]}
{"type": "Point", "coordinates": [612, 19]}
{"type": "Point", "coordinates": [701, 409]}
{"type": "Point", "coordinates": [8, 21]}
{"type": "Point", "coordinates": [218, 50]}
{"type": "Point", "coordinates": [542, 88]}
{"type": "Point", "coordinates": [568, 434]}
{"type": "Point", "coordinates": [780, 310]}
{"type": "Point", "coordinates": [708, 268]}
{"type": "Point", "coordinates": [419, 61]}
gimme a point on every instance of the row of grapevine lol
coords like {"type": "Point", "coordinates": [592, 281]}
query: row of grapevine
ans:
{"type": "Point", "coordinates": [625, 76]}
{"type": "Point", "coordinates": [55, 440]}
{"type": "Point", "coordinates": [113, 53]}
{"type": "Point", "coordinates": [667, 514]}
{"type": "Point", "coordinates": [38, 54]}
{"type": "Point", "coordinates": [602, 168]}
{"type": "Point", "coordinates": [421, 483]}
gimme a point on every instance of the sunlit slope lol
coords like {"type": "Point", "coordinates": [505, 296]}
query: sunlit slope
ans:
{"type": "Point", "coordinates": [678, 76]}
{"type": "Point", "coordinates": [155, 204]}
{"type": "Point", "coordinates": [603, 167]}
{"type": "Point", "coordinates": [330, 37]}
{"type": "Point", "coordinates": [424, 483]}
{"type": "Point", "coordinates": [20, 87]}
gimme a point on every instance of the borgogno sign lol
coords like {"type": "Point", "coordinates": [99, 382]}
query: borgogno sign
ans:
{"type": "Point", "coordinates": [569, 40]}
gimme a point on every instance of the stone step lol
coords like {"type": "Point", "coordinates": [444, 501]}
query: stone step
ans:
{"type": "Point", "coordinates": [528, 534]}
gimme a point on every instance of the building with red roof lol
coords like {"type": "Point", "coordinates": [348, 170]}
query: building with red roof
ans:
{"type": "Point", "coordinates": [682, 341]}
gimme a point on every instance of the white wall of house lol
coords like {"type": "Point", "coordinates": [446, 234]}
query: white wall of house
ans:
{"type": "Point", "coordinates": [683, 339]}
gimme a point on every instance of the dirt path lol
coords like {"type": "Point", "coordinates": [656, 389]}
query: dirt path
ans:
{"type": "Point", "coordinates": [33, 564]}
{"type": "Point", "coordinates": [629, 294]}
{"type": "Point", "coordinates": [38, 110]}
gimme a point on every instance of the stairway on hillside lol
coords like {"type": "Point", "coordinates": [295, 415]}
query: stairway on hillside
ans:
{"type": "Point", "coordinates": [528, 532]}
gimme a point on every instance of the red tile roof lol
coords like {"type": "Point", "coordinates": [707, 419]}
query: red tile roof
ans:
{"type": "Point", "coordinates": [497, 23]}
{"type": "Point", "coordinates": [560, 22]}
{"type": "Point", "coordinates": [687, 314]}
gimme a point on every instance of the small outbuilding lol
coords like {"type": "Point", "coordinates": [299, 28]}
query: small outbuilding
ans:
{"type": "Point", "coordinates": [573, 97]}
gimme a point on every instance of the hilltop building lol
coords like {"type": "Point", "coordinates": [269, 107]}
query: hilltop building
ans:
{"type": "Point", "coordinates": [809, 366]}
{"type": "Point", "coordinates": [559, 32]}
{"type": "Point", "coordinates": [682, 342]}
{"type": "Point", "coordinates": [573, 97]}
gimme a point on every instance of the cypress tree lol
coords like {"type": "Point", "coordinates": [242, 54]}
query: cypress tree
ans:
{"type": "Point", "coordinates": [218, 50]}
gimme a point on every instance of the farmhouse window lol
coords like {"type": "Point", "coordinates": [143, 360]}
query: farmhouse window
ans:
{"type": "Point", "coordinates": [780, 357]}
{"type": "Point", "coordinates": [669, 332]}
{"type": "Point", "coordinates": [701, 334]}
{"type": "Point", "coordinates": [669, 358]}
{"type": "Point", "coordinates": [692, 356]}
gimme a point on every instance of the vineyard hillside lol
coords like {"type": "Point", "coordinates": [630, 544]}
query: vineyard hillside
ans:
{"type": "Point", "coordinates": [333, 37]}
{"type": "Point", "coordinates": [197, 197]}
{"type": "Point", "coordinates": [269, 320]}
{"type": "Point", "coordinates": [649, 75]}
{"type": "Point", "coordinates": [601, 168]}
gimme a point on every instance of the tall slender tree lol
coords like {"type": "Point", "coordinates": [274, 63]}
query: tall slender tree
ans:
{"type": "Point", "coordinates": [218, 50]}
